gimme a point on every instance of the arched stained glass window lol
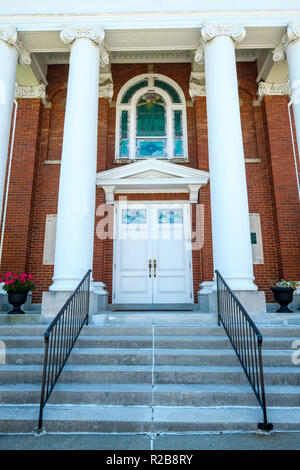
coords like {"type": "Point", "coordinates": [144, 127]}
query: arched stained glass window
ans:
{"type": "Point", "coordinates": [151, 119]}
{"type": "Point", "coordinates": [151, 132]}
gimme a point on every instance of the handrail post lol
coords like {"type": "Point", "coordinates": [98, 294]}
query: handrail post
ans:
{"type": "Point", "coordinates": [218, 299]}
{"type": "Point", "coordinates": [88, 298]}
{"type": "Point", "coordinates": [39, 428]}
{"type": "Point", "coordinates": [265, 426]}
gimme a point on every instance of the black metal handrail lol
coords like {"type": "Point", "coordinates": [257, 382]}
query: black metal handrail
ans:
{"type": "Point", "coordinates": [246, 340]}
{"type": "Point", "coordinates": [60, 337]}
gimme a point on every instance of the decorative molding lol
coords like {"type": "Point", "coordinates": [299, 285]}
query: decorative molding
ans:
{"type": "Point", "coordinates": [109, 194]}
{"type": "Point", "coordinates": [144, 57]}
{"type": "Point", "coordinates": [273, 88]}
{"type": "Point", "coordinates": [24, 54]}
{"type": "Point", "coordinates": [210, 31]}
{"type": "Point", "coordinates": [10, 36]}
{"type": "Point", "coordinates": [38, 91]}
{"type": "Point", "coordinates": [199, 54]}
{"type": "Point", "coordinates": [69, 34]}
{"type": "Point", "coordinates": [151, 56]}
{"type": "Point", "coordinates": [292, 34]}
{"type": "Point", "coordinates": [106, 86]}
{"type": "Point", "coordinates": [197, 85]}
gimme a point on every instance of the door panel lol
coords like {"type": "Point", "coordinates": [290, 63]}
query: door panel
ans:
{"type": "Point", "coordinates": [133, 249]}
{"type": "Point", "coordinates": [170, 224]}
{"type": "Point", "coordinates": [160, 232]}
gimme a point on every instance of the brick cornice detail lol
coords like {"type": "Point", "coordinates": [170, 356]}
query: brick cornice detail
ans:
{"type": "Point", "coordinates": [273, 88]}
{"type": "Point", "coordinates": [32, 92]}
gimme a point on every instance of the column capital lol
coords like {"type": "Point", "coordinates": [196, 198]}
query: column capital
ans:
{"type": "Point", "coordinates": [292, 34]}
{"type": "Point", "coordinates": [273, 88]}
{"type": "Point", "coordinates": [236, 32]}
{"type": "Point", "coordinates": [210, 31]}
{"type": "Point", "coordinates": [69, 34]}
{"type": "Point", "coordinates": [10, 36]}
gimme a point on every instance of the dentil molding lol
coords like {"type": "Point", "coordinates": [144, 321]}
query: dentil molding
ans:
{"type": "Point", "coordinates": [273, 88]}
{"type": "Point", "coordinates": [38, 91]}
{"type": "Point", "coordinates": [69, 34]}
{"type": "Point", "coordinates": [10, 36]}
{"type": "Point", "coordinates": [292, 33]}
{"type": "Point", "coordinates": [210, 31]}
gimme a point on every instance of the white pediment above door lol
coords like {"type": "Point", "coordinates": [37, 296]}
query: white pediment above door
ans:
{"type": "Point", "coordinates": [152, 176]}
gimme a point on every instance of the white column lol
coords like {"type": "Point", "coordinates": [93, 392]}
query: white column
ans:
{"type": "Point", "coordinates": [229, 201]}
{"type": "Point", "coordinates": [289, 48]}
{"type": "Point", "coordinates": [76, 200]}
{"type": "Point", "coordinates": [10, 48]}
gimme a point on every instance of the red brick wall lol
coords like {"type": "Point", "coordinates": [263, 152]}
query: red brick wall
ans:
{"type": "Point", "coordinates": [18, 223]}
{"type": "Point", "coordinates": [285, 204]}
{"type": "Point", "coordinates": [271, 181]}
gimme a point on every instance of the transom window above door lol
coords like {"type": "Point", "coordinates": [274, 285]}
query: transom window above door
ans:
{"type": "Point", "coordinates": [151, 119]}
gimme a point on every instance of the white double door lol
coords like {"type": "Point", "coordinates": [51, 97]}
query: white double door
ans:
{"type": "Point", "coordinates": [152, 253]}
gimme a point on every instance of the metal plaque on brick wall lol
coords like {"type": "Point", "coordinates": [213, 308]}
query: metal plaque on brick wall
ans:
{"type": "Point", "coordinates": [256, 239]}
{"type": "Point", "coordinates": [49, 240]}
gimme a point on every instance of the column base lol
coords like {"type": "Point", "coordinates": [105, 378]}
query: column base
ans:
{"type": "Point", "coordinates": [98, 298]}
{"type": "Point", "coordinates": [64, 284]}
{"type": "Point", "coordinates": [253, 301]}
{"type": "Point", "coordinates": [241, 284]}
{"type": "Point", "coordinates": [53, 301]}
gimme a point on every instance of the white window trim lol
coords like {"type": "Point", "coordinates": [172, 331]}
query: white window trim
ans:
{"type": "Point", "coordinates": [131, 108]}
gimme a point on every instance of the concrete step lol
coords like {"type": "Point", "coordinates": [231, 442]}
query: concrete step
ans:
{"type": "Point", "coordinates": [125, 330]}
{"type": "Point", "coordinates": [141, 342]}
{"type": "Point", "coordinates": [79, 373]}
{"type": "Point", "coordinates": [163, 374]}
{"type": "Point", "coordinates": [37, 330]}
{"type": "Point", "coordinates": [131, 356]}
{"type": "Point", "coordinates": [141, 394]}
{"type": "Point", "coordinates": [285, 332]}
{"type": "Point", "coordinates": [28, 318]}
{"type": "Point", "coordinates": [96, 418]}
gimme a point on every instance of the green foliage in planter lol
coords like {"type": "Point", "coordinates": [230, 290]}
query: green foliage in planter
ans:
{"type": "Point", "coordinates": [15, 283]}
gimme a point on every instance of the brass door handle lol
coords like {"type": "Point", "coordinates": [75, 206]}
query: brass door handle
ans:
{"type": "Point", "coordinates": [150, 266]}
{"type": "Point", "coordinates": [154, 267]}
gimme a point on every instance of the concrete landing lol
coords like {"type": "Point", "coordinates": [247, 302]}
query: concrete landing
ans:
{"type": "Point", "coordinates": [154, 318]}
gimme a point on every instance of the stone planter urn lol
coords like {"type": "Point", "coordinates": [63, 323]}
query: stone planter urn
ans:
{"type": "Point", "coordinates": [283, 296]}
{"type": "Point", "coordinates": [16, 299]}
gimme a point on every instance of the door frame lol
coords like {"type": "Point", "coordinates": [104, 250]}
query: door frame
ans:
{"type": "Point", "coordinates": [135, 202]}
